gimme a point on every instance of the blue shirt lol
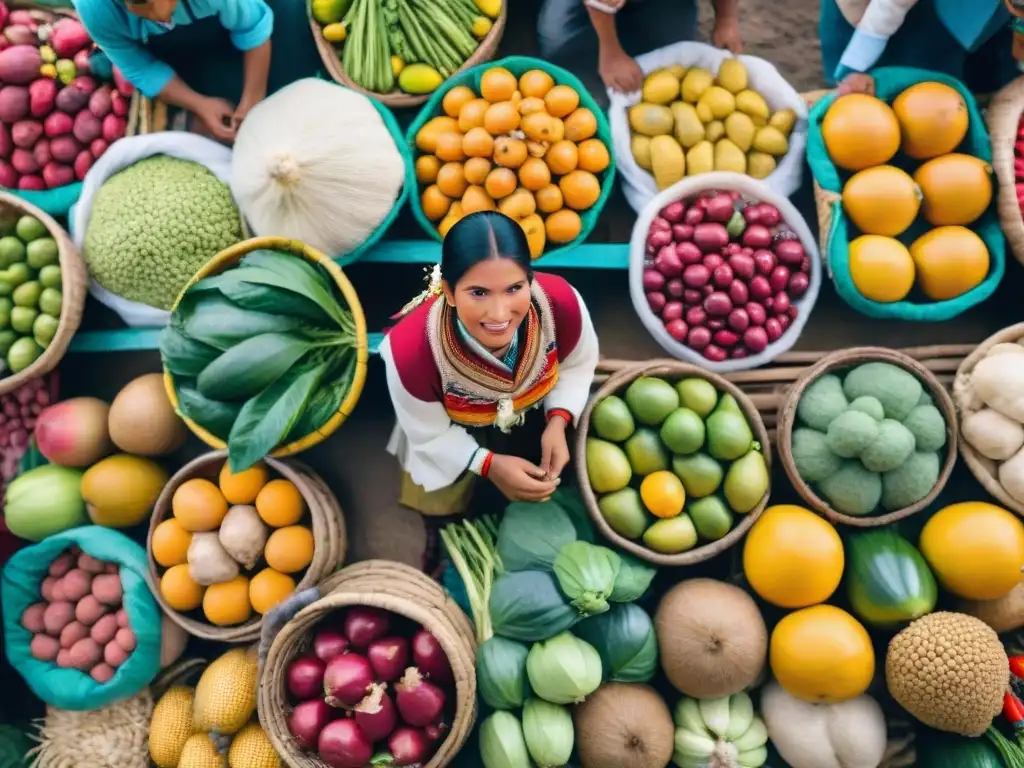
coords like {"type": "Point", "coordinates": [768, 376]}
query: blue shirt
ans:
{"type": "Point", "coordinates": [123, 36]}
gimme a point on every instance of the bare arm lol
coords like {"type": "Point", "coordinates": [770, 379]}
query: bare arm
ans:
{"type": "Point", "coordinates": [604, 26]}
{"type": "Point", "coordinates": [177, 93]}
{"type": "Point", "coordinates": [727, 9]}
{"type": "Point", "coordinates": [256, 69]}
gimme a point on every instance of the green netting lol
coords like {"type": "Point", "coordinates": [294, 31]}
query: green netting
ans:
{"type": "Point", "coordinates": [517, 65]}
{"type": "Point", "coordinates": [889, 83]}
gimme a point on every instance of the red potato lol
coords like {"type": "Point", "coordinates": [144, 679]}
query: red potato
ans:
{"type": "Point", "coordinates": [9, 179]}
{"type": "Point", "coordinates": [25, 133]}
{"type": "Point", "coordinates": [72, 633]}
{"type": "Point", "coordinates": [44, 648]}
{"type": "Point", "coordinates": [14, 103]}
{"type": "Point", "coordinates": [32, 618]}
{"type": "Point", "coordinates": [19, 64]}
{"type": "Point", "coordinates": [85, 654]}
{"type": "Point", "coordinates": [84, 83]}
{"type": "Point", "coordinates": [68, 38]}
{"type": "Point", "coordinates": [65, 149]}
{"type": "Point", "coordinates": [82, 61]}
{"type": "Point", "coordinates": [77, 584]}
{"type": "Point", "coordinates": [41, 152]}
{"type": "Point", "coordinates": [123, 86]}
{"type": "Point", "coordinates": [82, 164]}
{"type": "Point", "coordinates": [41, 94]}
{"type": "Point", "coordinates": [114, 654]}
{"type": "Point", "coordinates": [64, 658]}
{"type": "Point", "coordinates": [111, 568]}
{"type": "Point", "coordinates": [21, 16]}
{"type": "Point", "coordinates": [119, 105]}
{"type": "Point", "coordinates": [72, 99]}
{"type": "Point", "coordinates": [23, 161]}
{"type": "Point", "coordinates": [104, 630]}
{"type": "Point", "coordinates": [57, 616]}
{"type": "Point", "coordinates": [57, 124]}
{"type": "Point", "coordinates": [125, 638]}
{"type": "Point", "coordinates": [46, 589]}
{"type": "Point", "coordinates": [97, 148]}
{"type": "Point", "coordinates": [89, 610]}
{"type": "Point", "coordinates": [113, 128]}
{"type": "Point", "coordinates": [90, 563]}
{"type": "Point", "coordinates": [20, 34]}
{"type": "Point", "coordinates": [6, 143]}
{"type": "Point", "coordinates": [100, 103]}
{"type": "Point", "coordinates": [57, 175]}
{"type": "Point", "coordinates": [107, 589]}
{"type": "Point", "coordinates": [102, 673]}
{"type": "Point", "coordinates": [122, 618]}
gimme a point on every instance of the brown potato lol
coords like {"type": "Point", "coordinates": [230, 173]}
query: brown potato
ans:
{"type": "Point", "coordinates": [56, 617]}
{"type": "Point", "coordinates": [44, 648]}
{"type": "Point", "coordinates": [107, 589]}
{"type": "Point", "coordinates": [89, 610]}
{"type": "Point", "coordinates": [76, 584]}
{"type": "Point", "coordinates": [32, 618]}
{"type": "Point", "coordinates": [103, 631]}
{"type": "Point", "coordinates": [85, 654]}
{"type": "Point", "coordinates": [102, 673]}
{"type": "Point", "coordinates": [72, 633]}
{"type": "Point", "coordinates": [62, 565]}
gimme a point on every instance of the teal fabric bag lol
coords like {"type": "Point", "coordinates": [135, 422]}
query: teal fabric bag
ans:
{"type": "Point", "coordinates": [889, 83]}
{"type": "Point", "coordinates": [19, 588]}
{"type": "Point", "coordinates": [517, 65]}
{"type": "Point", "coordinates": [56, 202]}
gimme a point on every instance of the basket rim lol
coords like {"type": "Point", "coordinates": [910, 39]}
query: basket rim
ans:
{"type": "Point", "coordinates": [974, 460]}
{"type": "Point", "coordinates": [227, 259]}
{"type": "Point", "coordinates": [616, 383]}
{"type": "Point", "coordinates": [846, 358]}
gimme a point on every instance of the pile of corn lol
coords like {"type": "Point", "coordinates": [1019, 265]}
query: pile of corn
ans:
{"type": "Point", "coordinates": [197, 728]}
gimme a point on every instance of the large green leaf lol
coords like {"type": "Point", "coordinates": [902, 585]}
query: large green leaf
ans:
{"type": "Point", "coordinates": [251, 366]}
{"type": "Point", "coordinates": [266, 419]}
{"type": "Point", "coordinates": [183, 356]}
{"type": "Point", "coordinates": [263, 290]}
{"type": "Point", "coordinates": [295, 274]}
{"type": "Point", "coordinates": [531, 534]}
{"type": "Point", "coordinates": [212, 319]}
{"type": "Point", "coordinates": [329, 396]}
{"type": "Point", "coordinates": [215, 416]}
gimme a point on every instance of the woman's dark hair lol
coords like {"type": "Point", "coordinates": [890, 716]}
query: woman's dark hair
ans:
{"type": "Point", "coordinates": [481, 236]}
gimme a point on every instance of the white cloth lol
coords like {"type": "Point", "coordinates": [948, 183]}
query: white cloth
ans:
{"type": "Point", "coordinates": [882, 18]}
{"type": "Point", "coordinates": [576, 372]}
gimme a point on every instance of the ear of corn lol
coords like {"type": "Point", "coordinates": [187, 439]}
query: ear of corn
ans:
{"type": "Point", "coordinates": [251, 748]}
{"type": "Point", "coordinates": [171, 726]}
{"type": "Point", "coordinates": [200, 752]}
{"type": "Point", "coordinates": [226, 693]}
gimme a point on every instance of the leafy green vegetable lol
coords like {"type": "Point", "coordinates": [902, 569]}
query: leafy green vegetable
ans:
{"type": "Point", "coordinates": [564, 669]}
{"type": "Point", "coordinates": [183, 356]}
{"type": "Point", "coordinates": [501, 673]}
{"type": "Point", "coordinates": [296, 274]}
{"type": "Point", "coordinates": [251, 366]}
{"type": "Point", "coordinates": [633, 579]}
{"type": "Point", "coordinates": [528, 606]}
{"type": "Point", "coordinates": [625, 639]}
{"type": "Point", "coordinates": [531, 534]}
{"type": "Point", "coordinates": [548, 731]}
{"type": "Point", "coordinates": [264, 296]}
{"type": "Point", "coordinates": [329, 396]}
{"type": "Point", "coordinates": [571, 502]}
{"type": "Point", "coordinates": [586, 573]}
{"type": "Point", "coordinates": [216, 321]}
{"type": "Point", "coordinates": [213, 415]}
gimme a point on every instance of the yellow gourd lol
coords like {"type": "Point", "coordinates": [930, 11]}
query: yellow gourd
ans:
{"type": "Point", "coordinates": [201, 752]}
{"type": "Point", "coordinates": [226, 693]}
{"type": "Point", "coordinates": [252, 749]}
{"type": "Point", "coordinates": [667, 161]}
{"type": "Point", "coordinates": [171, 726]}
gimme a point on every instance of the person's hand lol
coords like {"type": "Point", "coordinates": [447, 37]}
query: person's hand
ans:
{"type": "Point", "coordinates": [519, 480]}
{"type": "Point", "coordinates": [857, 82]}
{"type": "Point", "coordinates": [726, 34]}
{"type": "Point", "coordinates": [619, 71]}
{"type": "Point", "coordinates": [217, 116]}
{"type": "Point", "coordinates": [242, 110]}
{"type": "Point", "coordinates": [554, 448]}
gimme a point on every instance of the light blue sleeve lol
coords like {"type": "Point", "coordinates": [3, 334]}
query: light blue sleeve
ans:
{"type": "Point", "coordinates": [249, 22]}
{"type": "Point", "coordinates": [108, 29]}
{"type": "Point", "coordinates": [861, 54]}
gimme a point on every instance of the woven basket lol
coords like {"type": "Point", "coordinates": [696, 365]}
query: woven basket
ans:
{"type": "Point", "coordinates": [184, 672]}
{"type": "Point", "coordinates": [847, 358]}
{"type": "Point", "coordinates": [73, 286]}
{"type": "Point", "coordinates": [982, 468]}
{"type": "Point", "coordinates": [229, 258]}
{"type": "Point", "coordinates": [672, 370]}
{"type": "Point", "coordinates": [823, 201]}
{"type": "Point", "coordinates": [1003, 118]}
{"type": "Point", "coordinates": [327, 523]}
{"type": "Point", "coordinates": [392, 587]}
{"type": "Point", "coordinates": [332, 62]}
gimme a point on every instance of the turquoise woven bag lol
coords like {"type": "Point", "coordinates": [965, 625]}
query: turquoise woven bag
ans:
{"type": "Point", "coordinates": [889, 83]}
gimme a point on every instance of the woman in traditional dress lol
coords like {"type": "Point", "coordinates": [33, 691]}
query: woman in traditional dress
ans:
{"type": "Point", "coordinates": [472, 361]}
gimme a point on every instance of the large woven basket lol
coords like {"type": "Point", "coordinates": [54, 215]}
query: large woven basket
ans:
{"type": "Point", "coordinates": [395, 99]}
{"type": "Point", "coordinates": [229, 258]}
{"type": "Point", "coordinates": [73, 286]}
{"type": "Point", "coordinates": [847, 358]}
{"type": "Point", "coordinates": [669, 369]}
{"type": "Point", "coordinates": [326, 521]}
{"type": "Point", "coordinates": [984, 469]}
{"type": "Point", "coordinates": [392, 587]}
{"type": "Point", "coordinates": [1003, 118]}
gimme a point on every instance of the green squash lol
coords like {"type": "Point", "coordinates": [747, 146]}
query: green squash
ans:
{"type": "Point", "coordinates": [888, 581]}
{"type": "Point", "coordinates": [937, 749]}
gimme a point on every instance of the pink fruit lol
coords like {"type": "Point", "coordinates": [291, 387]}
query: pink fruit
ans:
{"type": "Point", "coordinates": [73, 433]}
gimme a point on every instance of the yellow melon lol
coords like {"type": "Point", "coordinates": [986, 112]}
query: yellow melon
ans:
{"type": "Point", "coordinates": [883, 200]}
{"type": "Point", "coordinates": [957, 189]}
{"type": "Point", "coordinates": [933, 119]}
{"type": "Point", "coordinates": [860, 131]}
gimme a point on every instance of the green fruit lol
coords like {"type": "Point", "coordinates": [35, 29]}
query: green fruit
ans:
{"type": "Point", "coordinates": [607, 466]}
{"type": "Point", "coordinates": [16, 274]}
{"type": "Point", "coordinates": [729, 435]}
{"type": "Point", "coordinates": [746, 482]}
{"type": "Point", "coordinates": [6, 305]}
{"type": "Point", "coordinates": [888, 581]}
{"type": "Point", "coordinates": [711, 517]}
{"type": "Point", "coordinates": [671, 536]}
{"type": "Point", "coordinates": [701, 475]}
{"type": "Point", "coordinates": [624, 512]}
{"type": "Point", "coordinates": [645, 452]}
{"type": "Point", "coordinates": [50, 301]}
{"type": "Point", "coordinates": [611, 419]}
{"type": "Point", "coordinates": [699, 395]}
{"type": "Point", "coordinates": [27, 294]}
{"type": "Point", "coordinates": [22, 354]}
{"type": "Point", "coordinates": [44, 329]}
{"type": "Point", "coordinates": [22, 319]}
{"type": "Point", "coordinates": [683, 431]}
{"type": "Point", "coordinates": [7, 339]}
{"type": "Point", "coordinates": [12, 250]}
{"type": "Point", "coordinates": [651, 400]}
{"type": "Point", "coordinates": [42, 253]}
{"type": "Point", "coordinates": [50, 276]}
{"type": "Point", "coordinates": [29, 228]}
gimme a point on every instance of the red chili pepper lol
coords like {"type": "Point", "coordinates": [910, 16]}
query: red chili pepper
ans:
{"type": "Point", "coordinates": [1013, 710]}
{"type": "Point", "coordinates": [1017, 666]}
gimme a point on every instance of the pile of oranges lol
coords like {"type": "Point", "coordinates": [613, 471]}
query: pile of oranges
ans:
{"type": "Point", "coordinates": [200, 505]}
{"type": "Point", "coordinates": [523, 146]}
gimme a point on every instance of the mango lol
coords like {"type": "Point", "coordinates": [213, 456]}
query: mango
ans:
{"type": "Point", "coordinates": [688, 128]}
{"type": "Point", "coordinates": [771, 141]}
{"type": "Point", "coordinates": [696, 82]}
{"type": "Point", "coordinates": [760, 165]}
{"type": "Point", "coordinates": [120, 490]}
{"type": "Point", "coordinates": [660, 87]}
{"type": "Point", "coordinates": [714, 130]}
{"type": "Point", "coordinates": [624, 512]}
{"type": "Point", "coordinates": [739, 128]}
{"type": "Point", "coordinates": [645, 452]}
{"type": "Point", "coordinates": [704, 112]}
{"type": "Point", "coordinates": [711, 517]}
{"type": "Point", "coordinates": [335, 33]}
{"type": "Point", "coordinates": [66, 70]}
{"type": "Point", "coordinates": [607, 466]}
{"type": "Point", "coordinates": [753, 104]}
{"type": "Point", "coordinates": [44, 501]}
{"type": "Point", "coordinates": [732, 75]}
{"type": "Point", "coordinates": [651, 119]}
{"type": "Point", "coordinates": [701, 475]}
{"type": "Point", "coordinates": [640, 146]}
{"type": "Point", "coordinates": [426, 137]}
{"type": "Point", "coordinates": [784, 120]}
{"type": "Point", "coordinates": [729, 157]}
{"type": "Point", "coordinates": [677, 70]}
{"type": "Point", "coordinates": [701, 158]}
{"type": "Point", "coordinates": [672, 536]}
{"type": "Point", "coordinates": [419, 79]}
{"type": "Point", "coordinates": [719, 101]}
{"type": "Point", "coordinates": [668, 163]}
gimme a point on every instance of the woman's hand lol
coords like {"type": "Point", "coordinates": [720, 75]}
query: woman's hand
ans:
{"type": "Point", "coordinates": [217, 116]}
{"type": "Point", "coordinates": [726, 34]}
{"type": "Point", "coordinates": [619, 71]}
{"type": "Point", "coordinates": [857, 82]}
{"type": "Point", "coordinates": [554, 449]}
{"type": "Point", "coordinates": [242, 110]}
{"type": "Point", "coordinates": [520, 480]}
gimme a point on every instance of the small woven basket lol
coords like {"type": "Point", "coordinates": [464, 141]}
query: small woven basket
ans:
{"type": "Point", "coordinates": [396, 99]}
{"type": "Point", "coordinates": [184, 672]}
{"type": "Point", "coordinates": [326, 521]}
{"type": "Point", "coordinates": [1003, 118]}
{"type": "Point", "coordinates": [847, 358]}
{"type": "Point", "coordinates": [984, 469]}
{"type": "Point", "coordinates": [73, 287]}
{"type": "Point", "coordinates": [669, 369]}
{"type": "Point", "coordinates": [229, 258]}
{"type": "Point", "coordinates": [392, 587]}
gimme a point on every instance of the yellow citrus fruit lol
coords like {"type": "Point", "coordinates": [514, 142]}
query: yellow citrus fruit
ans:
{"type": "Point", "coordinates": [883, 200]}
{"type": "Point", "coordinates": [170, 543]}
{"type": "Point", "coordinates": [227, 603]}
{"type": "Point", "coordinates": [822, 654]}
{"type": "Point", "coordinates": [242, 487]}
{"type": "Point", "coordinates": [663, 494]}
{"type": "Point", "coordinates": [179, 590]}
{"type": "Point", "coordinates": [289, 549]}
{"type": "Point", "coordinates": [792, 558]}
{"type": "Point", "coordinates": [280, 503]}
{"type": "Point", "coordinates": [860, 131]}
{"type": "Point", "coordinates": [268, 588]}
{"type": "Point", "coordinates": [881, 268]}
{"type": "Point", "coordinates": [456, 98]}
{"type": "Point", "coordinates": [950, 262]}
{"type": "Point", "coordinates": [498, 84]}
{"type": "Point", "coordinates": [199, 505]}
{"type": "Point", "coordinates": [535, 83]}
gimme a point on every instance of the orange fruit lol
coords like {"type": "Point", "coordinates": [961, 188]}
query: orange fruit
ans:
{"type": "Point", "coordinates": [472, 114]}
{"type": "Point", "coordinates": [581, 189]}
{"type": "Point", "coordinates": [449, 147]}
{"type": "Point", "coordinates": [662, 494]}
{"type": "Point", "coordinates": [533, 227]}
{"type": "Point", "coordinates": [435, 203]}
{"type": "Point", "coordinates": [477, 143]}
{"type": "Point", "coordinates": [449, 221]}
{"type": "Point", "coordinates": [242, 487]}
{"type": "Point", "coordinates": [860, 131]}
{"type": "Point", "coordinates": [534, 174]}
{"type": "Point", "coordinates": [882, 200]}
{"type": "Point", "coordinates": [933, 119]}
{"type": "Point", "coordinates": [170, 543]}
{"type": "Point", "coordinates": [531, 105]}
{"type": "Point", "coordinates": [476, 199]}
{"type": "Point", "coordinates": [426, 137]}
{"type": "Point", "coordinates": [561, 100]}
{"type": "Point", "coordinates": [518, 205]}
{"type": "Point", "coordinates": [455, 99]}
{"type": "Point", "coordinates": [289, 549]}
{"type": "Point", "coordinates": [957, 189]}
{"type": "Point", "coordinates": [451, 180]}
{"type": "Point", "coordinates": [950, 261]}
{"type": "Point", "coordinates": [498, 84]}
{"type": "Point", "coordinates": [501, 118]}
{"type": "Point", "coordinates": [280, 503]}
{"type": "Point", "coordinates": [179, 589]}
{"type": "Point", "coordinates": [535, 84]}
{"type": "Point", "coordinates": [427, 167]}
{"type": "Point", "coordinates": [593, 156]}
{"type": "Point", "coordinates": [476, 169]}
{"type": "Point", "coordinates": [580, 125]}
{"type": "Point", "coordinates": [268, 588]}
{"type": "Point", "coordinates": [881, 268]}
{"type": "Point", "coordinates": [510, 153]}
{"type": "Point", "coordinates": [199, 505]}
{"type": "Point", "coordinates": [549, 199]}
{"type": "Point", "coordinates": [563, 226]}
{"type": "Point", "coordinates": [227, 603]}
{"type": "Point", "coordinates": [500, 183]}
{"type": "Point", "coordinates": [539, 126]}
{"type": "Point", "coordinates": [562, 157]}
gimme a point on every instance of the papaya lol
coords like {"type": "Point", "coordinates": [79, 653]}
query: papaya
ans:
{"type": "Point", "coordinates": [888, 581]}
{"type": "Point", "coordinates": [933, 119]}
{"type": "Point", "coordinates": [957, 189]}
{"type": "Point", "coordinates": [860, 131]}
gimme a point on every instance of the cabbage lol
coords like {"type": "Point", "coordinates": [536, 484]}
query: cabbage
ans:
{"type": "Point", "coordinates": [564, 669]}
{"type": "Point", "coordinates": [586, 573]}
{"type": "Point", "coordinates": [528, 606]}
{"type": "Point", "coordinates": [531, 534]}
{"type": "Point", "coordinates": [624, 638]}
{"type": "Point", "coordinates": [549, 733]}
{"type": "Point", "coordinates": [501, 742]}
{"type": "Point", "coordinates": [501, 673]}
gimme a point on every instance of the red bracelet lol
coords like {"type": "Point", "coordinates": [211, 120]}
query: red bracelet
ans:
{"type": "Point", "coordinates": [486, 466]}
{"type": "Point", "coordinates": [560, 412]}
